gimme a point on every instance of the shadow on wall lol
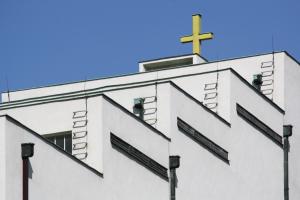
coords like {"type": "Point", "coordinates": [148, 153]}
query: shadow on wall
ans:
{"type": "Point", "coordinates": [30, 170]}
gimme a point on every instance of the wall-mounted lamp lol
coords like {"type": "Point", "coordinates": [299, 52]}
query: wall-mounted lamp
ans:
{"type": "Point", "coordinates": [174, 163]}
{"type": "Point", "coordinates": [138, 107]}
{"type": "Point", "coordinates": [257, 81]}
{"type": "Point", "coordinates": [287, 130]}
{"type": "Point", "coordinates": [27, 152]}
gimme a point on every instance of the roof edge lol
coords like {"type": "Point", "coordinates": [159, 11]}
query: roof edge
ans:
{"type": "Point", "coordinates": [199, 103]}
{"type": "Point", "coordinates": [257, 92]}
{"type": "Point", "coordinates": [292, 57]}
{"type": "Point", "coordinates": [17, 123]}
{"type": "Point", "coordinates": [135, 117]}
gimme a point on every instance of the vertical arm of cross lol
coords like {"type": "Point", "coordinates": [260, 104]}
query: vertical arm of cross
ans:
{"type": "Point", "coordinates": [196, 36]}
{"type": "Point", "coordinates": [196, 25]}
{"type": "Point", "coordinates": [196, 33]}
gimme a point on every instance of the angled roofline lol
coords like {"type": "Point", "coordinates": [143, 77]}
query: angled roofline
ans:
{"type": "Point", "coordinates": [199, 103]}
{"type": "Point", "coordinates": [135, 117]}
{"type": "Point", "coordinates": [292, 57]}
{"type": "Point", "coordinates": [136, 73]}
{"type": "Point", "coordinates": [257, 92]}
{"type": "Point", "coordinates": [81, 96]}
{"type": "Point", "coordinates": [16, 122]}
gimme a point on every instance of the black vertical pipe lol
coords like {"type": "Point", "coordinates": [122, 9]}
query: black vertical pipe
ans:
{"type": "Point", "coordinates": [27, 152]}
{"type": "Point", "coordinates": [173, 183]}
{"type": "Point", "coordinates": [174, 162]}
{"type": "Point", "coordinates": [287, 132]}
{"type": "Point", "coordinates": [25, 179]}
{"type": "Point", "coordinates": [286, 167]}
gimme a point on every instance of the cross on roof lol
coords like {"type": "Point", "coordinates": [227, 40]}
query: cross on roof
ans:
{"type": "Point", "coordinates": [196, 37]}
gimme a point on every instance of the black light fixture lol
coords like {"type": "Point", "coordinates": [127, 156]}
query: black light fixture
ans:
{"type": "Point", "coordinates": [138, 107]}
{"type": "Point", "coordinates": [174, 163]}
{"type": "Point", "coordinates": [257, 81]}
{"type": "Point", "coordinates": [27, 150]}
{"type": "Point", "coordinates": [287, 130]}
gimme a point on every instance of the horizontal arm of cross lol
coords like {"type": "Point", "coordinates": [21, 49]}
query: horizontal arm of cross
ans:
{"type": "Point", "coordinates": [206, 36]}
{"type": "Point", "coordinates": [186, 39]}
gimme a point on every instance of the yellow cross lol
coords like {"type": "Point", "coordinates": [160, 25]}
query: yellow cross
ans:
{"type": "Point", "coordinates": [196, 37]}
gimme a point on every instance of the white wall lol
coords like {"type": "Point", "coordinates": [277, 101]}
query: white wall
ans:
{"type": "Point", "coordinates": [60, 175]}
{"type": "Point", "coordinates": [201, 175]}
{"type": "Point", "coordinates": [126, 178]}
{"type": "Point", "coordinates": [194, 85]}
{"type": "Point", "coordinates": [54, 175]}
{"type": "Point", "coordinates": [245, 66]}
{"type": "Point", "coordinates": [2, 158]}
{"type": "Point", "coordinates": [256, 163]}
{"type": "Point", "coordinates": [57, 117]}
{"type": "Point", "coordinates": [49, 117]}
{"type": "Point", "coordinates": [292, 107]}
{"type": "Point", "coordinates": [256, 158]}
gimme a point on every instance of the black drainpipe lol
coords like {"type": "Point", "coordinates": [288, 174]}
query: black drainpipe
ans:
{"type": "Point", "coordinates": [174, 162]}
{"type": "Point", "coordinates": [27, 152]}
{"type": "Point", "coordinates": [287, 132]}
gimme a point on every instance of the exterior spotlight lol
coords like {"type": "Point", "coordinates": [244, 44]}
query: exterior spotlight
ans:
{"type": "Point", "coordinates": [174, 162]}
{"type": "Point", "coordinates": [257, 81]}
{"type": "Point", "coordinates": [287, 130]}
{"type": "Point", "coordinates": [27, 150]}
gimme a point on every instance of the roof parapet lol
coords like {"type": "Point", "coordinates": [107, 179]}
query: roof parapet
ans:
{"type": "Point", "coordinates": [171, 62]}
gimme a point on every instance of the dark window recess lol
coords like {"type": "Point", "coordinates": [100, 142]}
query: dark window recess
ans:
{"type": "Point", "coordinates": [60, 141]}
{"type": "Point", "coordinates": [259, 125]}
{"type": "Point", "coordinates": [138, 156]}
{"type": "Point", "coordinates": [202, 140]}
{"type": "Point", "coordinates": [63, 140]}
{"type": "Point", "coordinates": [68, 143]}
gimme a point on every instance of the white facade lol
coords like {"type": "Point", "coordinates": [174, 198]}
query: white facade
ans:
{"type": "Point", "coordinates": [205, 95]}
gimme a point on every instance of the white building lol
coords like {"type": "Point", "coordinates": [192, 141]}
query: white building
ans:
{"type": "Point", "coordinates": [119, 132]}
{"type": "Point", "coordinates": [181, 128]}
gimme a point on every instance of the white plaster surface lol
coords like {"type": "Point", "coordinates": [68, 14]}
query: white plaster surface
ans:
{"type": "Point", "coordinates": [2, 159]}
{"type": "Point", "coordinates": [125, 177]}
{"type": "Point", "coordinates": [53, 175]}
{"type": "Point", "coordinates": [244, 66]}
{"type": "Point", "coordinates": [256, 163]}
{"type": "Point", "coordinates": [255, 170]}
{"type": "Point", "coordinates": [292, 116]}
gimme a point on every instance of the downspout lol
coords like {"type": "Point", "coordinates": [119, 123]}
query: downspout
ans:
{"type": "Point", "coordinates": [174, 162]}
{"type": "Point", "coordinates": [27, 152]}
{"type": "Point", "coordinates": [287, 132]}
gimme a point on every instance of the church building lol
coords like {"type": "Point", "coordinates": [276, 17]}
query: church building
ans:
{"type": "Point", "coordinates": [181, 128]}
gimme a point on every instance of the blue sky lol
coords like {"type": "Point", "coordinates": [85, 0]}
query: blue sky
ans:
{"type": "Point", "coordinates": [46, 42]}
